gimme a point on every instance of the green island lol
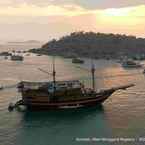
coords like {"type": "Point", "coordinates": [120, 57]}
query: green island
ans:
{"type": "Point", "coordinates": [93, 45]}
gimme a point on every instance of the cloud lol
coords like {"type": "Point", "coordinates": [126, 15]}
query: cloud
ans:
{"type": "Point", "coordinates": [95, 4]}
{"type": "Point", "coordinates": [87, 4]}
{"type": "Point", "coordinates": [103, 4]}
{"type": "Point", "coordinates": [34, 10]}
{"type": "Point", "coordinates": [69, 10]}
{"type": "Point", "coordinates": [45, 19]}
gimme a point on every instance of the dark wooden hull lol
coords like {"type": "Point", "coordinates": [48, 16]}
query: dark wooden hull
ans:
{"type": "Point", "coordinates": [37, 96]}
{"type": "Point", "coordinates": [87, 102]}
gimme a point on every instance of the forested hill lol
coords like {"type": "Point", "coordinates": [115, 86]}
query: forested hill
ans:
{"type": "Point", "coordinates": [90, 44]}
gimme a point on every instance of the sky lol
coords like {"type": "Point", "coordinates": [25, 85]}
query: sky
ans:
{"type": "Point", "coordinates": [46, 19]}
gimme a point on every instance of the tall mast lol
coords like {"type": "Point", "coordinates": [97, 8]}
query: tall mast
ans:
{"type": "Point", "coordinates": [54, 72]}
{"type": "Point", "coordinates": [93, 75]}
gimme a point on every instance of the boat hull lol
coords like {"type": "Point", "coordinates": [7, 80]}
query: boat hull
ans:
{"type": "Point", "coordinates": [40, 98]}
{"type": "Point", "coordinates": [88, 102]}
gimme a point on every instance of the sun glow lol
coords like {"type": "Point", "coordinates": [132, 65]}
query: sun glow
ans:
{"type": "Point", "coordinates": [127, 20]}
{"type": "Point", "coordinates": [117, 12]}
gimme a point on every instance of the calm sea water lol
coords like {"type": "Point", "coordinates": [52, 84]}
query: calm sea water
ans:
{"type": "Point", "coordinates": [122, 115]}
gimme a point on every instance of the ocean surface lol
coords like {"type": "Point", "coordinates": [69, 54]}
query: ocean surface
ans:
{"type": "Point", "coordinates": [122, 116]}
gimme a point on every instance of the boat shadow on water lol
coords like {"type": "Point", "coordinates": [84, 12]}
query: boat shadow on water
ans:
{"type": "Point", "coordinates": [63, 113]}
{"type": "Point", "coordinates": [65, 125]}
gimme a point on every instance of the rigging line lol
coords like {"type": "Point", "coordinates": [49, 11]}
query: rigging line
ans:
{"type": "Point", "coordinates": [44, 71]}
{"type": "Point", "coordinates": [50, 74]}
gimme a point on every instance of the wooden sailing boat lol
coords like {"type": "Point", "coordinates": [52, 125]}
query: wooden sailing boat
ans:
{"type": "Point", "coordinates": [63, 94]}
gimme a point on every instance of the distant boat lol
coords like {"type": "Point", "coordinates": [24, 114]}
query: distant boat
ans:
{"type": "Point", "coordinates": [38, 54]}
{"type": "Point", "coordinates": [28, 54]}
{"type": "Point", "coordinates": [6, 57]}
{"type": "Point", "coordinates": [24, 51]}
{"type": "Point", "coordinates": [1, 87]}
{"type": "Point", "coordinates": [17, 58]}
{"type": "Point", "coordinates": [131, 64]}
{"type": "Point", "coordinates": [77, 60]}
{"type": "Point", "coordinates": [5, 53]}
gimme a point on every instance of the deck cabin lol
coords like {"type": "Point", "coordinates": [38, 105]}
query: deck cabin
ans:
{"type": "Point", "coordinates": [61, 90]}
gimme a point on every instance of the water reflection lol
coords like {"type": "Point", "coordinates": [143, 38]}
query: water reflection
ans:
{"type": "Point", "coordinates": [63, 126]}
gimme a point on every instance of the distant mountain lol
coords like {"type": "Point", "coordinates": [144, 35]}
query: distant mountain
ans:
{"type": "Point", "coordinates": [32, 41]}
{"type": "Point", "coordinates": [96, 45]}
{"type": "Point", "coordinates": [29, 41]}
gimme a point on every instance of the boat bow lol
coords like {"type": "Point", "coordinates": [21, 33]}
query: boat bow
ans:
{"type": "Point", "coordinates": [123, 87]}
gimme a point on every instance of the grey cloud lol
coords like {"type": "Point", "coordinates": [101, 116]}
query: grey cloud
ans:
{"type": "Point", "coordinates": [88, 4]}
{"type": "Point", "coordinates": [93, 4]}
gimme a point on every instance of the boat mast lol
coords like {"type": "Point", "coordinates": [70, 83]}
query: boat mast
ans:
{"type": "Point", "coordinates": [54, 72]}
{"type": "Point", "coordinates": [93, 75]}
